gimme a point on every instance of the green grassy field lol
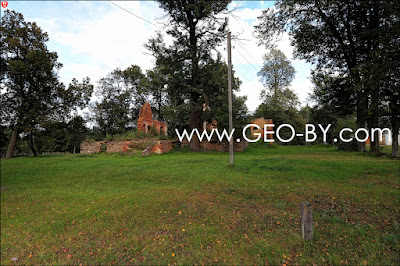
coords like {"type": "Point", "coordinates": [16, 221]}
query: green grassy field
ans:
{"type": "Point", "coordinates": [186, 207]}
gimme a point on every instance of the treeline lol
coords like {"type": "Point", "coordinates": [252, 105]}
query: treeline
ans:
{"type": "Point", "coordinates": [41, 114]}
{"type": "Point", "coordinates": [354, 46]}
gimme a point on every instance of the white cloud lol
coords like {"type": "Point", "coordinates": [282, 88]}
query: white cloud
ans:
{"type": "Point", "coordinates": [114, 40]}
{"type": "Point", "coordinates": [252, 90]}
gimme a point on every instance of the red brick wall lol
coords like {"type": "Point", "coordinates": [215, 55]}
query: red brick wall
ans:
{"type": "Point", "coordinates": [146, 120]}
{"type": "Point", "coordinates": [157, 146]}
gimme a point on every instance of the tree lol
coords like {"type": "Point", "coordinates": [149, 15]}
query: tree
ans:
{"type": "Point", "coordinates": [76, 96]}
{"type": "Point", "coordinates": [28, 75]}
{"type": "Point", "coordinates": [135, 85]}
{"type": "Point", "coordinates": [276, 74]}
{"type": "Point", "coordinates": [280, 113]}
{"type": "Point", "coordinates": [196, 31]}
{"type": "Point", "coordinates": [215, 75]}
{"type": "Point", "coordinates": [157, 88]}
{"type": "Point", "coordinates": [344, 38]}
{"type": "Point", "coordinates": [279, 101]}
{"type": "Point", "coordinates": [122, 93]}
{"type": "Point", "coordinates": [52, 137]}
{"type": "Point", "coordinates": [76, 133]}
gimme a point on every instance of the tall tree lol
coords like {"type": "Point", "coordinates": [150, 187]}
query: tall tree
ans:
{"type": "Point", "coordinates": [215, 75]}
{"type": "Point", "coordinates": [157, 87]}
{"type": "Point", "coordinates": [28, 76]}
{"type": "Point", "coordinates": [76, 134]}
{"type": "Point", "coordinates": [77, 96]}
{"type": "Point", "coordinates": [121, 93]}
{"type": "Point", "coordinates": [279, 102]}
{"type": "Point", "coordinates": [343, 37]}
{"type": "Point", "coordinates": [276, 75]}
{"type": "Point", "coordinates": [135, 85]}
{"type": "Point", "coordinates": [196, 31]}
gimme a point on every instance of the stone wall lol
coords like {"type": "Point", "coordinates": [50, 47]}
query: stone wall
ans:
{"type": "Point", "coordinates": [90, 147]}
{"type": "Point", "coordinates": [163, 146]}
{"type": "Point", "coordinates": [157, 146]}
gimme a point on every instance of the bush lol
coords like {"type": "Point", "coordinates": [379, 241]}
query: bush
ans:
{"type": "Point", "coordinates": [103, 147]}
{"type": "Point", "coordinates": [348, 146]}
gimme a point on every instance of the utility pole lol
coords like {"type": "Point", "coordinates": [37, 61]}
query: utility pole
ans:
{"type": "Point", "coordinates": [230, 99]}
{"type": "Point", "coordinates": [308, 120]}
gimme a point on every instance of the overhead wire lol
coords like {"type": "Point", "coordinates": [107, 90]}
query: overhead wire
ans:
{"type": "Point", "coordinates": [249, 72]}
{"type": "Point", "coordinates": [247, 61]}
{"type": "Point", "coordinates": [237, 40]}
{"type": "Point", "coordinates": [240, 45]}
{"type": "Point", "coordinates": [135, 14]}
{"type": "Point", "coordinates": [241, 73]}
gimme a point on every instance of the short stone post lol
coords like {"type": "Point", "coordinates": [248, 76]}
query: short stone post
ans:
{"type": "Point", "coordinates": [306, 220]}
{"type": "Point", "coordinates": [146, 151]}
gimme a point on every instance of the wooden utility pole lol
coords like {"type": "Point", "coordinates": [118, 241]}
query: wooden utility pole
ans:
{"type": "Point", "coordinates": [308, 120]}
{"type": "Point", "coordinates": [230, 99]}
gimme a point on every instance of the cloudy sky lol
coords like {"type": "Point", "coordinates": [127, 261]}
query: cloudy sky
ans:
{"type": "Point", "coordinates": [94, 37]}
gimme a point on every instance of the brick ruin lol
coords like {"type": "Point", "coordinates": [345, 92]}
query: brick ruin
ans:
{"type": "Point", "coordinates": [154, 146]}
{"type": "Point", "coordinates": [147, 146]}
{"type": "Point", "coordinates": [145, 122]}
{"type": "Point", "coordinates": [210, 126]}
{"type": "Point", "coordinates": [128, 146]}
{"type": "Point", "coordinates": [261, 122]}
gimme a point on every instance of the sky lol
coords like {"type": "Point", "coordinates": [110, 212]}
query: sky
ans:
{"type": "Point", "coordinates": [92, 38]}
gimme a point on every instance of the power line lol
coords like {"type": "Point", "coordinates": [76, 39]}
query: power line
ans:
{"type": "Point", "coordinates": [126, 10]}
{"type": "Point", "coordinates": [247, 61]}
{"type": "Point", "coordinates": [135, 15]}
{"type": "Point", "coordinates": [251, 72]}
{"type": "Point", "coordinates": [241, 71]}
{"type": "Point", "coordinates": [251, 64]}
{"type": "Point", "coordinates": [239, 43]}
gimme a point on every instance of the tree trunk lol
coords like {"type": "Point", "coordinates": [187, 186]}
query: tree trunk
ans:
{"type": "Point", "coordinates": [194, 115]}
{"type": "Point", "coordinates": [13, 141]}
{"type": "Point", "coordinates": [361, 118]}
{"type": "Point", "coordinates": [194, 124]}
{"type": "Point", "coordinates": [374, 123]}
{"type": "Point", "coordinates": [395, 131]}
{"type": "Point", "coordinates": [31, 143]}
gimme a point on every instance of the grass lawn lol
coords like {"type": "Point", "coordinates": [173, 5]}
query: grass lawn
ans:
{"type": "Point", "coordinates": [186, 207]}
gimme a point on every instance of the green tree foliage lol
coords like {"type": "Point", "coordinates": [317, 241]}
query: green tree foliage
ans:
{"type": "Point", "coordinates": [5, 134]}
{"type": "Point", "coordinates": [215, 76]}
{"type": "Point", "coordinates": [279, 101]}
{"type": "Point", "coordinates": [28, 75]}
{"type": "Point", "coordinates": [196, 32]}
{"type": "Point", "coordinates": [156, 84]}
{"type": "Point", "coordinates": [76, 134]}
{"type": "Point", "coordinates": [276, 74]}
{"type": "Point", "coordinates": [33, 96]}
{"type": "Point", "coordinates": [121, 93]}
{"type": "Point", "coordinates": [281, 114]}
{"type": "Point", "coordinates": [354, 42]}
{"type": "Point", "coordinates": [60, 136]}
{"type": "Point", "coordinates": [76, 96]}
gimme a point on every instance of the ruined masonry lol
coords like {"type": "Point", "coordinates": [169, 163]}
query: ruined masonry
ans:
{"type": "Point", "coordinates": [145, 122]}
{"type": "Point", "coordinates": [148, 146]}
{"type": "Point", "coordinates": [261, 122]}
